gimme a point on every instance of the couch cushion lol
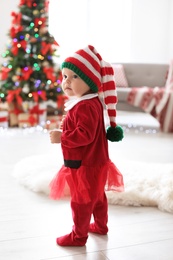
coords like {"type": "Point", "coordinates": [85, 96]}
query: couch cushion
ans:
{"type": "Point", "coordinates": [122, 94]}
{"type": "Point", "coordinates": [150, 75]}
{"type": "Point", "coordinates": [120, 77]}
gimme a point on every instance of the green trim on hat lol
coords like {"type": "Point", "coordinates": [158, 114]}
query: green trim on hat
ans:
{"type": "Point", "coordinates": [85, 78]}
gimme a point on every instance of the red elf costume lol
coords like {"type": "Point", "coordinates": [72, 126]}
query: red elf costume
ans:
{"type": "Point", "coordinates": [87, 169]}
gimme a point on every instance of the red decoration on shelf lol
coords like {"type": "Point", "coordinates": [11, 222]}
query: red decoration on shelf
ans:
{"type": "Point", "coordinates": [26, 73]}
{"type": "Point", "coordinates": [61, 100]}
{"type": "Point", "coordinates": [26, 2]}
{"type": "Point", "coordinates": [49, 73]}
{"type": "Point", "coordinates": [4, 73]}
{"type": "Point", "coordinates": [38, 20]}
{"type": "Point", "coordinates": [46, 6]}
{"type": "Point", "coordinates": [14, 94]}
{"type": "Point", "coordinates": [15, 30]}
{"type": "Point", "coordinates": [41, 94]}
{"type": "Point", "coordinates": [55, 43]}
{"type": "Point", "coordinates": [16, 47]}
{"type": "Point", "coordinates": [16, 18]}
{"type": "Point", "coordinates": [45, 48]}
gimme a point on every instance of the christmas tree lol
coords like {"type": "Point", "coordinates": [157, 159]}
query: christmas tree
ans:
{"type": "Point", "coordinates": [28, 72]}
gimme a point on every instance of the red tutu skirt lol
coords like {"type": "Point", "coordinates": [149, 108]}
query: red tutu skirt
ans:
{"type": "Point", "coordinates": [86, 183]}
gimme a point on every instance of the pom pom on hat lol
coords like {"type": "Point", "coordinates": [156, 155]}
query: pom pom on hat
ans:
{"type": "Point", "coordinates": [114, 134]}
{"type": "Point", "coordinates": [99, 76]}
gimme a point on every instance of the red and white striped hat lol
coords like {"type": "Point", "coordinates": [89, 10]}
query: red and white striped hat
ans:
{"type": "Point", "coordinates": [99, 76]}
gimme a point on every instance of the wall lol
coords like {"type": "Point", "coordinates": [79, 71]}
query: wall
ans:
{"type": "Point", "coordinates": [152, 26]}
{"type": "Point", "coordinates": [151, 37]}
{"type": "Point", "coordinates": [7, 6]}
{"type": "Point", "coordinates": [103, 24]}
{"type": "Point", "coordinates": [171, 30]}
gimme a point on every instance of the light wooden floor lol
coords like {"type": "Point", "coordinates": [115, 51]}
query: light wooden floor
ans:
{"type": "Point", "coordinates": [30, 222]}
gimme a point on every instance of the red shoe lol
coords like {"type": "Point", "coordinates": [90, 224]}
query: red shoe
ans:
{"type": "Point", "coordinates": [94, 229]}
{"type": "Point", "coordinates": [71, 240]}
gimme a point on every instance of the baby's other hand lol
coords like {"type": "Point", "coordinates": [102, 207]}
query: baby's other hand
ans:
{"type": "Point", "coordinates": [55, 136]}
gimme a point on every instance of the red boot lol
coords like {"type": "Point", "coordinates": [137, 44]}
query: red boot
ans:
{"type": "Point", "coordinates": [100, 214]}
{"type": "Point", "coordinates": [71, 240]}
{"type": "Point", "coordinates": [81, 217]}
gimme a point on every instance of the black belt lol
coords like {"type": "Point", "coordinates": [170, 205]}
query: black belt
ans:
{"type": "Point", "coordinates": [75, 164]}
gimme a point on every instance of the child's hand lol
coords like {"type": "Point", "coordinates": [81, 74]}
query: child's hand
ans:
{"type": "Point", "coordinates": [55, 136]}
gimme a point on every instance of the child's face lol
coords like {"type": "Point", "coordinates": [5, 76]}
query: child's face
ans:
{"type": "Point", "coordinates": [72, 84]}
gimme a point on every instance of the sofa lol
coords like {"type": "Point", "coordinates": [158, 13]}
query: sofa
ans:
{"type": "Point", "coordinates": [128, 75]}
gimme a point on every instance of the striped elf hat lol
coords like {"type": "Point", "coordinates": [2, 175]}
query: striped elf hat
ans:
{"type": "Point", "coordinates": [99, 76]}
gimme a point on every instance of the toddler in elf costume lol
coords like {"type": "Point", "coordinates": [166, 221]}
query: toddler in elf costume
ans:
{"type": "Point", "coordinates": [87, 169]}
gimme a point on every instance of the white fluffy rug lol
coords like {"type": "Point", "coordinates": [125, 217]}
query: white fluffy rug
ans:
{"type": "Point", "coordinates": [146, 184]}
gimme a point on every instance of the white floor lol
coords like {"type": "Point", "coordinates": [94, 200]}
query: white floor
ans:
{"type": "Point", "coordinates": [30, 222]}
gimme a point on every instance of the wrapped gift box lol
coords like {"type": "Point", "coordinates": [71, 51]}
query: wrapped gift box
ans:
{"type": "Point", "coordinates": [40, 109]}
{"type": "Point", "coordinates": [14, 110]}
{"type": "Point", "coordinates": [4, 119]}
{"type": "Point", "coordinates": [56, 108]}
{"type": "Point", "coordinates": [27, 120]}
{"type": "Point", "coordinates": [3, 106]}
{"type": "Point", "coordinates": [53, 122]}
{"type": "Point", "coordinates": [52, 109]}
